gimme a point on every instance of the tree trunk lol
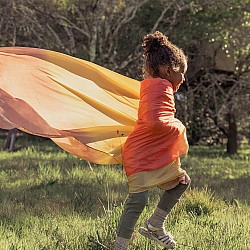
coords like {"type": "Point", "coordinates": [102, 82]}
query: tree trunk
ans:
{"type": "Point", "coordinates": [232, 134]}
{"type": "Point", "coordinates": [11, 138]}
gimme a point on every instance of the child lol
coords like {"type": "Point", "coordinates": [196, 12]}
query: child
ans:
{"type": "Point", "coordinates": [151, 152]}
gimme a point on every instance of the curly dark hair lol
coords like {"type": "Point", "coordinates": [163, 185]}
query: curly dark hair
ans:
{"type": "Point", "coordinates": [159, 51]}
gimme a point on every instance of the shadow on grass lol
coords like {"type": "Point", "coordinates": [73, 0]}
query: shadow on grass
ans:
{"type": "Point", "coordinates": [230, 190]}
{"type": "Point", "coordinates": [56, 198]}
{"type": "Point", "coordinates": [37, 184]}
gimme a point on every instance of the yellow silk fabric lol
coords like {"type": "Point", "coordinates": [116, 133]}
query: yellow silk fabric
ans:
{"type": "Point", "coordinates": [166, 177]}
{"type": "Point", "coordinates": [86, 109]}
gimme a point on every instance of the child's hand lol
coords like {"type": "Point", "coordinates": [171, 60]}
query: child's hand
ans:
{"type": "Point", "coordinates": [184, 179]}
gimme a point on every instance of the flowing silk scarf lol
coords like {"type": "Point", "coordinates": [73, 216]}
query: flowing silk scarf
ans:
{"type": "Point", "coordinates": [86, 109]}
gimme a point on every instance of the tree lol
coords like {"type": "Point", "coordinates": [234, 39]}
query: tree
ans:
{"type": "Point", "coordinates": [91, 30]}
{"type": "Point", "coordinates": [217, 81]}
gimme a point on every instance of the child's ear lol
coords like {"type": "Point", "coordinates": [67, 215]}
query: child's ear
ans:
{"type": "Point", "coordinates": [168, 70]}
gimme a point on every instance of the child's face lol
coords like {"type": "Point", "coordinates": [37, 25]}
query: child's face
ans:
{"type": "Point", "coordinates": [177, 78]}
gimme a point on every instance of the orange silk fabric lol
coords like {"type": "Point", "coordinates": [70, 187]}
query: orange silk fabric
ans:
{"type": "Point", "coordinates": [84, 108]}
{"type": "Point", "coordinates": [88, 110]}
{"type": "Point", "coordinates": [158, 137]}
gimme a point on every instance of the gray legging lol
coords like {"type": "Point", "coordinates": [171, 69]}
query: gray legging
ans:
{"type": "Point", "coordinates": [136, 203]}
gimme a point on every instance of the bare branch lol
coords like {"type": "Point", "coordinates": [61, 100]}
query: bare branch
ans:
{"type": "Point", "coordinates": [58, 40]}
{"type": "Point", "coordinates": [161, 17]}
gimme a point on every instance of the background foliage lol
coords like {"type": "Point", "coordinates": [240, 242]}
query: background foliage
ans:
{"type": "Point", "coordinates": [214, 34]}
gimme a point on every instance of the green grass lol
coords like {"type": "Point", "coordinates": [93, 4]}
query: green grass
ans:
{"type": "Point", "coordinates": [53, 200]}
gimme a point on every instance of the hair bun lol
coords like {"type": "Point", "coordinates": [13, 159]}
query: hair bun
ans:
{"type": "Point", "coordinates": [152, 42]}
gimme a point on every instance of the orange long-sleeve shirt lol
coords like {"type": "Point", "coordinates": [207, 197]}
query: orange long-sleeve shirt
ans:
{"type": "Point", "coordinates": [158, 137]}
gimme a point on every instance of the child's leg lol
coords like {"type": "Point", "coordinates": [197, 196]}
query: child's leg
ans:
{"type": "Point", "coordinates": [165, 205]}
{"type": "Point", "coordinates": [155, 224]}
{"type": "Point", "coordinates": [132, 210]}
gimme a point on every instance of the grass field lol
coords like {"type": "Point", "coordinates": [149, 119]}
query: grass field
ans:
{"type": "Point", "coordinates": [53, 200]}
